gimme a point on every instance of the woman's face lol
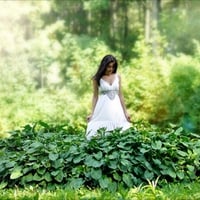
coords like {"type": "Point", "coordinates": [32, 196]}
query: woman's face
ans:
{"type": "Point", "coordinates": [109, 68]}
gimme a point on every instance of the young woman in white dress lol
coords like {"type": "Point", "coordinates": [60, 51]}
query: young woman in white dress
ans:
{"type": "Point", "coordinates": [108, 107]}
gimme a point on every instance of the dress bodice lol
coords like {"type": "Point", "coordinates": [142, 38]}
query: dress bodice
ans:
{"type": "Point", "coordinates": [111, 90]}
{"type": "Point", "coordinates": [105, 86]}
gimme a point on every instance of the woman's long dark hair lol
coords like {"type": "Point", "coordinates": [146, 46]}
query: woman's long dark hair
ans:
{"type": "Point", "coordinates": [102, 67]}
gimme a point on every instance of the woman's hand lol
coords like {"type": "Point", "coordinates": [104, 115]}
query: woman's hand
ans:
{"type": "Point", "coordinates": [89, 117]}
{"type": "Point", "coordinates": [128, 117]}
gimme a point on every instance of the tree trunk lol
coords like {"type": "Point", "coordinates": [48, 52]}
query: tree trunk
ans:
{"type": "Point", "coordinates": [152, 11]}
{"type": "Point", "coordinates": [125, 29]}
{"type": "Point", "coordinates": [147, 10]}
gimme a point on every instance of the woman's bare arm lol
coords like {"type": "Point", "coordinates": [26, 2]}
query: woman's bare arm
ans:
{"type": "Point", "coordinates": [122, 100]}
{"type": "Point", "coordinates": [94, 98]}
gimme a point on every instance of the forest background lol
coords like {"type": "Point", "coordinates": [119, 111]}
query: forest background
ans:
{"type": "Point", "coordinates": [50, 50]}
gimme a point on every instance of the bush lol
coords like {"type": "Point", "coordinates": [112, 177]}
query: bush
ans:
{"type": "Point", "coordinates": [54, 156]}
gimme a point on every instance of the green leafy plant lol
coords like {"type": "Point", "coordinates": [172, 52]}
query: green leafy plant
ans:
{"type": "Point", "coordinates": [50, 156]}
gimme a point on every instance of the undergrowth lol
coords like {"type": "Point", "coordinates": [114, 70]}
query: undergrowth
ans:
{"type": "Point", "coordinates": [50, 157]}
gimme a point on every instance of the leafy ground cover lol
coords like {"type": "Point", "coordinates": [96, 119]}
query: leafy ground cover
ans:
{"type": "Point", "coordinates": [51, 157]}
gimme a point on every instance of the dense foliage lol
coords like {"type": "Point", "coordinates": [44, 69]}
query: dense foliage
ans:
{"type": "Point", "coordinates": [49, 52]}
{"type": "Point", "coordinates": [48, 60]}
{"type": "Point", "coordinates": [53, 156]}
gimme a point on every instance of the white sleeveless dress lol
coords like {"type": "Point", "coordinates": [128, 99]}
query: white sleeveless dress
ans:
{"type": "Point", "coordinates": [108, 112]}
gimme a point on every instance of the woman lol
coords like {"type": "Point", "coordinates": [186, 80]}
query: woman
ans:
{"type": "Point", "coordinates": [108, 108]}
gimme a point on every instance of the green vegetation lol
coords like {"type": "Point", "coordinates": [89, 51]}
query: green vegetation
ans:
{"type": "Point", "coordinates": [40, 162]}
{"type": "Point", "coordinates": [43, 155]}
{"type": "Point", "coordinates": [187, 191]}
{"type": "Point", "coordinates": [49, 52]}
{"type": "Point", "coordinates": [48, 60]}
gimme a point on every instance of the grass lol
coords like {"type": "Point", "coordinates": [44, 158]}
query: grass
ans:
{"type": "Point", "coordinates": [178, 191]}
{"type": "Point", "coordinates": [189, 191]}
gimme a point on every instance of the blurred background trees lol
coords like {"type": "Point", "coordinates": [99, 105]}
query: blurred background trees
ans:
{"type": "Point", "coordinates": [50, 50]}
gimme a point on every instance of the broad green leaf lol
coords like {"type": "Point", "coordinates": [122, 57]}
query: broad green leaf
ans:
{"type": "Point", "coordinates": [73, 150]}
{"type": "Point", "coordinates": [34, 147]}
{"type": "Point", "coordinates": [138, 170]}
{"type": "Point", "coordinates": [185, 144]}
{"type": "Point", "coordinates": [180, 175]}
{"type": "Point", "coordinates": [96, 174]}
{"type": "Point", "coordinates": [104, 182]}
{"type": "Point", "coordinates": [28, 177]}
{"type": "Point", "coordinates": [169, 172]}
{"type": "Point", "coordinates": [10, 164]}
{"type": "Point", "coordinates": [98, 155]}
{"type": "Point", "coordinates": [47, 177]}
{"type": "Point", "coordinates": [36, 166]}
{"type": "Point", "coordinates": [32, 158]}
{"type": "Point", "coordinates": [76, 183]}
{"type": "Point", "coordinates": [125, 162]}
{"type": "Point", "coordinates": [113, 164]}
{"type": "Point", "coordinates": [127, 179]}
{"type": "Point", "coordinates": [58, 163]}
{"type": "Point", "coordinates": [16, 173]}
{"type": "Point", "coordinates": [148, 175]}
{"type": "Point", "coordinates": [196, 151]}
{"type": "Point", "coordinates": [172, 174]}
{"type": "Point", "coordinates": [37, 177]}
{"type": "Point", "coordinates": [59, 177]}
{"type": "Point", "coordinates": [26, 170]}
{"type": "Point", "coordinates": [113, 156]}
{"type": "Point", "coordinates": [148, 165]}
{"type": "Point", "coordinates": [78, 158]}
{"type": "Point", "coordinates": [143, 151]}
{"type": "Point", "coordinates": [121, 145]}
{"type": "Point", "coordinates": [140, 158]}
{"type": "Point", "coordinates": [3, 185]}
{"type": "Point", "coordinates": [178, 131]}
{"type": "Point", "coordinates": [106, 144]}
{"type": "Point", "coordinates": [157, 161]}
{"type": "Point", "coordinates": [182, 153]}
{"type": "Point", "coordinates": [117, 177]}
{"type": "Point", "coordinates": [157, 145]}
{"type": "Point", "coordinates": [190, 168]}
{"type": "Point", "coordinates": [91, 162]}
{"type": "Point", "coordinates": [112, 187]}
{"type": "Point", "coordinates": [53, 156]}
{"type": "Point", "coordinates": [55, 173]}
{"type": "Point", "coordinates": [41, 170]}
{"type": "Point", "coordinates": [68, 140]}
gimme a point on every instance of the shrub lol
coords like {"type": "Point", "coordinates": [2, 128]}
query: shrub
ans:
{"type": "Point", "coordinates": [53, 156]}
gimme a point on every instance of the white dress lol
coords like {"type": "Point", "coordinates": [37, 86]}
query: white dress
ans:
{"type": "Point", "coordinates": [108, 112]}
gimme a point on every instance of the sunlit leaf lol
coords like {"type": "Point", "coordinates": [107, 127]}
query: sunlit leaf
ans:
{"type": "Point", "coordinates": [16, 173]}
{"type": "Point", "coordinates": [53, 156]}
{"type": "Point", "coordinates": [148, 175]}
{"type": "Point", "coordinates": [59, 177]}
{"type": "Point", "coordinates": [91, 162]}
{"type": "Point", "coordinates": [104, 182]}
{"type": "Point", "coordinates": [47, 177]}
{"type": "Point", "coordinates": [3, 185]}
{"type": "Point", "coordinates": [127, 178]}
{"type": "Point", "coordinates": [98, 155]}
{"type": "Point", "coordinates": [157, 145]}
{"type": "Point", "coordinates": [76, 183]}
{"type": "Point", "coordinates": [96, 174]}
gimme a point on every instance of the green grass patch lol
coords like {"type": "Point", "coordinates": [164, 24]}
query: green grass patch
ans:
{"type": "Point", "coordinates": [178, 191]}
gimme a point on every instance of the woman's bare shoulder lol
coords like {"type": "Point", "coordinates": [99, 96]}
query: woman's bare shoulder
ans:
{"type": "Point", "coordinates": [118, 75]}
